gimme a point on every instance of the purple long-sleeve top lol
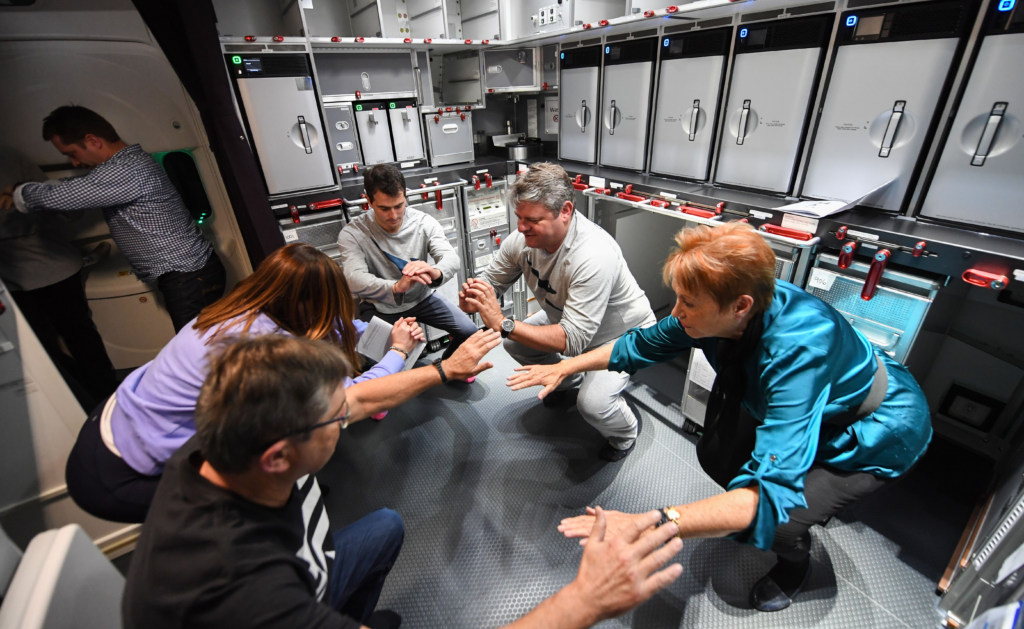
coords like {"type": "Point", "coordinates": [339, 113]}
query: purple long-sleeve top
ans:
{"type": "Point", "coordinates": [154, 412]}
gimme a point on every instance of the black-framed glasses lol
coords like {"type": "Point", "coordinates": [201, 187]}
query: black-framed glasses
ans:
{"type": "Point", "coordinates": [299, 431]}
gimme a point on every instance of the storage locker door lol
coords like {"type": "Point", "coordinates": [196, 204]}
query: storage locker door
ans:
{"type": "Point", "coordinates": [880, 102]}
{"type": "Point", "coordinates": [375, 136]}
{"type": "Point", "coordinates": [577, 127]}
{"type": "Point", "coordinates": [405, 127]}
{"type": "Point", "coordinates": [450, 138]}
{"type": "Point", "coordinates": [342, 131]}
{"type": "Point", "coordinates": [386, 74]}
{"type": "Point", "coordinates": [980, 177]}
{"type": "Point", "coordinates": [687, 102]}
{"type": "Point", "coordinates": [285, 123]}
{"type": "Point", "coordinates": [770, 92]}
{"type": "Point", "coordinates": [625, 109]}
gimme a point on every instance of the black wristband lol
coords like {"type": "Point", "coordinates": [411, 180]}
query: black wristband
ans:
{"type": "Point", "coordinates": [440, 370]}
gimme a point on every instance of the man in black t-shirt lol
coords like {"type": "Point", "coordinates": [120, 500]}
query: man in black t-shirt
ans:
{"type": "Point", "coordinates": [224, 543]}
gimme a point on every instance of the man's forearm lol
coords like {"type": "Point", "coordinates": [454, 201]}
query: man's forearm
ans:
{"type": "Point", "coordinates": [563, 610]}
{"type": "Point", "coordinates": [381, 394]}
{"type": "Point", "coordinates": [547, 338]}
{"type": "Point", "coordinates": [719, 515]}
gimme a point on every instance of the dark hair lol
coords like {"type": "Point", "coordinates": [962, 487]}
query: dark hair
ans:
{"type": "Point", "coordinates": [384, 178]}
{"type": "Point", "coordinates": [72, 123]}
{"type": "Point", "coordinates": [259, 389]}
{"type": "Point", "coordinates": [301, 289]}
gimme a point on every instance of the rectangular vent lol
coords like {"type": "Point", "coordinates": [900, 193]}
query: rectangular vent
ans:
{"type": "Point", "coordinates": [801, 33]}
{"type": "Point", "coordinates": [856, 4]}
{"type": "Point", "coordinates": [287, 47]}
{"type": "Point", "coordinates": [650, 33]}
{"type": "Point", "coordinates": [682, 28]}
{"type": "Point", "coordinates": [243, 47]}
{"type": "Point", "coordinates": [760, 15]}
{"type": "Point", "coordinates": [819, 7]}
{"type": "Point", "coordinates": [928, 21]}
{"type": "Point", "coordinates": [701, 43]}
{"type": "Point", "coordinates": [285, 65]}
{"type": "Point", "coordinates": [719, 21]}
{"type": "Point", "coordinates": [590, 42]}
{"type": "Point", "coordinates": [613, 38]}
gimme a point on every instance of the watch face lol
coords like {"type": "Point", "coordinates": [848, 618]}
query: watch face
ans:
{"type": "Point", "coordinates": [508, 325]}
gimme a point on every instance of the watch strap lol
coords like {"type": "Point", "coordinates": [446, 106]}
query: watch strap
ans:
{"type": "Point", "coordinates": [440, 370]}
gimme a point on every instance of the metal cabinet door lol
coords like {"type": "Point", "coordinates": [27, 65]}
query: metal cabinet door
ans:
{"type": "Point", "coordinates": [769, 92]}
{"type": "Point", "coordinates": [285, 123]}
{"type": "Point", "coordinates": [980, 176]}
{"type": "Point", "coordinates": [450, 138]}
{"type": "Point", "coordinates": [626, 107]}
{"type": "Point", "coordinates": [510, 68]}
{"type": "Point", "coordinates": [684, 125]}
{"type": "Point", "coordinates": [880, 102]}
{"type": "Point", "coordinates": [342, 131]}
{"type": "Point", "coordinates": [405, 128]}
{"type": "Point", "coordinates": [375, 136]}
{"type": "Point", "coordinates": [578, 124]}
{"type": "Point", "coordinates": [376, 75]}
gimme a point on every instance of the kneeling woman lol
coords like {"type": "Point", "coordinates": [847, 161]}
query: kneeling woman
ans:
{"type": "Point", "coordinates": [805, 416]}
{"type": "Point", "coordinates": [116, 463]}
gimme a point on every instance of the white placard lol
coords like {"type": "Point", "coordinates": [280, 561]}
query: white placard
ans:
{"type": "Point", "coordinates": [279, 207]}
{"type": "Point", "coordinates": [523, 166]}
{"type": "Point", "coordinates": [761, 215]}
{"type": "Point", "coordinates": [376, 340]}
{"type": "Point", "coordinates": [802, 223]}
{"type": "Point", "coordinates": [667, 195]}
{"type": "Point", "coordinates": [595, 182]}
{"type": "Point", "coordinates": [614, 186]}
{"type": "Point", "coordinates": [821, 279]}
{"type": "Point", "coordinates": [481, 171]}
{"type": "Point", "coordinates": [291, 236]}
{"type": "Point", "coordinates": [701, 372]}
{"type": "Point", "coordinates": [551, 115]}
{"type": "Point", "coordinates": [481, 263]}
{"type": "Point", "coordinates": [485, 219]}
{"type": "Point", "coordinates": [408, 164]}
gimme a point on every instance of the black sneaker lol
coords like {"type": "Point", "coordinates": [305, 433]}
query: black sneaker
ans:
{"type": "Point", "coordinates": [384, 619]}
{"type": "Point", "coordinates": [777, 589]}
{"type": "Point", "coordinates": [612, 454]}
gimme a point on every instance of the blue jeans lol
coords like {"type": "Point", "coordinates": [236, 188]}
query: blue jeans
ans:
{"type": "Point", "coordinates": [435, 311]}
{"type": "Point", "coordinates": [365, 551]}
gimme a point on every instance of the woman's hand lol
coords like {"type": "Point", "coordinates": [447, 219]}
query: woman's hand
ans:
{"type": "Point", "coordinates": [547, 376]}
{"type": "Point", "coordinates": [406, 333]}
{"type": "Point", "coordinates": [581, 525]}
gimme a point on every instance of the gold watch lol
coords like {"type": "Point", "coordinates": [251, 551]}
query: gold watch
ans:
{"type": "Point", "coordinates": [670, 514]}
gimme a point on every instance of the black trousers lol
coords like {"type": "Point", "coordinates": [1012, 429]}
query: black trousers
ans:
{"type": "Point", "coordinates": [101, 483]}
{"type": "Point", "coordinates": [186, 293]}
{"type": "Point", "coordinates": [60, 312]}
{"type": "Point", "coordinates": [827, 491]}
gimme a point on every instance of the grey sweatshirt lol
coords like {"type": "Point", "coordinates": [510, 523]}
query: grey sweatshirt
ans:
{"type": "Point", "coordinates": [371, 275]}
{"type": "Point", "coordinates": [585, 286]}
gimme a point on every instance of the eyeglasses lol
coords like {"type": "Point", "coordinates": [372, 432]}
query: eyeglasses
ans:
{"type": "Point", "coordinates": [341, 418]}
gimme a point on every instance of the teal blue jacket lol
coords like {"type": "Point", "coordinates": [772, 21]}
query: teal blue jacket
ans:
{"type": "Point", "coordinates": [811, 365]}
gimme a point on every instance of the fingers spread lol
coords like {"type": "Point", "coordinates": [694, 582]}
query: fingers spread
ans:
{"type": "Point", "coordinates": [600, 525]}
{"type": "Point", "coordinates": [661, 556]}
{"type": "Point", "coordinates": [659, 580]}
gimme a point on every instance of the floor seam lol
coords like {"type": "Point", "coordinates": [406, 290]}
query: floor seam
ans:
{"type": "Point", "coordinates": [873, 601]}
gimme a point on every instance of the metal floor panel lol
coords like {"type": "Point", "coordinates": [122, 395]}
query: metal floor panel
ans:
{"type": "Point", "coordinates": [482, 476]}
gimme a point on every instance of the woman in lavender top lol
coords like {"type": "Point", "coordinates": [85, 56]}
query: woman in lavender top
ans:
{"type": "Point", "coordinates": [116, 463]}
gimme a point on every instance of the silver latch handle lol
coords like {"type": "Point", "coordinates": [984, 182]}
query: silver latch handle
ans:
{"type": "Point", "coordinates": [612, 110]}
{"type": "Point", "coordinates": [890, 129]}
{"type": "Point", "coordinates": [694, 116]}
{"type": "Point", "coordinates": [372, 118]}
{"type": "Point", "coordinates": [741, 133]}
{"type": "Point", "coordinates": [304, 132]}
{"type": "Point", "coordinates": [585, 111]}
{"type": "Point", "coordinates": [995, 118]}
{"type": "Point", "coordinates": [405, 116]}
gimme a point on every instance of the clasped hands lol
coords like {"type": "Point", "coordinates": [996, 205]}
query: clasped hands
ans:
{"type": "Point", "coordinates": [406, 334]}
{"type": "Point", "coordinates": [478, 297]}
{"type": "Point", "coordinates": [416, 272]}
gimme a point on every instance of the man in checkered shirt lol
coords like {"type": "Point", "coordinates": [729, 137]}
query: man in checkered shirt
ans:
{"type": "Point", "coordinates": [147, 218]}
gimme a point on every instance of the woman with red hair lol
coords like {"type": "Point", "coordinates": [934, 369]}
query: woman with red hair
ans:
{"type": "Point", "coordinates": [805, 416]}
{"type": "Point", "coordinates": [117, 461]}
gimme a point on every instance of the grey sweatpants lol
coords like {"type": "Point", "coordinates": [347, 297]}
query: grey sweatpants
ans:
{"type": "Point", "coordinates": [600, 399]}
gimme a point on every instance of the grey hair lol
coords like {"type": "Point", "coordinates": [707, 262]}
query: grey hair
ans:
{"type": "Point", "coordinates": [544, 183]}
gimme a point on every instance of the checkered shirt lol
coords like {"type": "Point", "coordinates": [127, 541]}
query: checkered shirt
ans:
{"type": "Point", "coordinates": [147, 218]}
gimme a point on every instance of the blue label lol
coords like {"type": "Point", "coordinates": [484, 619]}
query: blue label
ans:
{"type": "Point", "coordinates": [1006, 5]}
{"type": "Point", "coordinates": [607, 49]}
{"type": "Point", "coordinates": [851, 21]}
{"type": "Point", "coordinates": [665, 43]}
{"type": "Point", "coordinates": [563, 55]}
{"type": "Point", "coordinates": [743, 33]}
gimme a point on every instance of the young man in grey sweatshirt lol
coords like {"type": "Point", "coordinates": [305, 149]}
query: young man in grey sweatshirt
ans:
{"type": "Point", "coordinates": [587, 295]}
{"type": "Point", "coordinates": [384, 256]}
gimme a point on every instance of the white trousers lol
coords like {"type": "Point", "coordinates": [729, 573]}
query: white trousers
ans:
{"type": "Point", "coordinates": [600, 398]}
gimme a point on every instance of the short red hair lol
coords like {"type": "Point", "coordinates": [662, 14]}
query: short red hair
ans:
{"type": "Point", "coordinates": [725, 261]}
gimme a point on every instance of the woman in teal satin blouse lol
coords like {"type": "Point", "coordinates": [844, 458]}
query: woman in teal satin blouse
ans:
{"type": "Point", "coordinates": [805, 415]}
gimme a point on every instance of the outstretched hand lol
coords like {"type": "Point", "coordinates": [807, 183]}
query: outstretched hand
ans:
{"type": "Point", "coordinates": [465, 362]}
{"type": "Point", "coordinates": [618, 522]}
{"type": "Point", "coordinates": [547, 376]}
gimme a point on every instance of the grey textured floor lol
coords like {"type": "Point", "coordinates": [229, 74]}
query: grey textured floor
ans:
{"type": "Point", "coordinates": [482, 476]}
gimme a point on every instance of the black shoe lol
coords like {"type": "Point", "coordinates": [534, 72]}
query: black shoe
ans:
{"type": "Point", "coordinates": [777, 589]}
{"type": "Point", "coordinates": [612, 454]}
{"type": "Point", "coordinates": [384, 619]}
{"type": "Point", "coordinates": [555, 398]}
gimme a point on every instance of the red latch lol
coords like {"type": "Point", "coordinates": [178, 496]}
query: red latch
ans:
{"type": "Point", "coordinates": [447, 108]}
{"type": "Point", "coordinates": [440, 201]}
{"type": "Point", "coordinates": [426, 195]}
{"type": "Point", "coordinates": [579, 186]}
{"type": "Point", "coordinates": [440, 111]}
{"type": "Point", "coordinates": [846, 254]}
{"type": "Point", "coordinates": [341, 170]}
{"type": "Point", "coordinates": [278, 38]}
{"type": "Point", "coordinates": [360, 40]}
{"type": "Point", "coordinates": [363, 196]}
{"type": "Point", "coordinates": [3, 308]}
{"type": "Point", "coordinates": [487, 180]}
{"type": "Point", "coordinates": [428, 41]}
{"type": "Point", "coordinates": [878, 263]}
{"type": "Point", "coordinates": [778, 230]}
{"type": "Point", "coordinates": [486, 41]}
{"type": "Point", "coordinates": [437, 119]}
{"type": "Point", "coordinates": [586, 26]}
{"type": "Point", "coordinates": [919, 249]}
{"type": "Point", "coordinates": [578, 178]}
{"type": "Point", "coordinates": [490, 90]}
{"type": "Point", "coordinates": [545, 86]}
{"type": "Point", "coordinates": [696, 211]}
{"type": "Point", "coordinates": [476, 182]}
{"type": "Point", "coordinates": [323, 205]}
{"type": "Point", "coordinates": [603, 23]}
{"type": "Point", "coordinates": [463, 116]}
{"type": "Point", "coordinates": [295, 213]}
{"type": "Point", "coordinates": [469, 41]}
{"type": "Point", "coordinates": [359, 94]}
{"type": "Point", "coordinates": [250, 38]}
{"type": "Point", "coordinates": [604, 191]}
{"type": "Point", "coordinates": [841, 233]}
{"type": "Point", "coordinates": [636, 198]}
{"type": "Point", "coordinates": [671, 9]}
{"type": "Point", "coordinates": [497, 240]}
{"type": "Point", "coordinates": [648, 13]}
{"type": "Point", "coordinates": [985, 280]}
{"type": "Point", "coordinates": [355, 167]}
{"type": "Point", "coordinates": [335, 39]}
{"type": "Point", "coordinates": [719, 207]}
{"type": "Point", "coordinates": [659, 203]}
{"type": "Point", "coordinates": [468, 107]}
{"type": "Point", "coordinates": [407, 40]}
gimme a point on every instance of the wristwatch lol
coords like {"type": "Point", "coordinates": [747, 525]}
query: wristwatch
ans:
{"type": "Point", "coordinates": [508, 325]}
{"type": "Point", "coordinates": [670, 514]}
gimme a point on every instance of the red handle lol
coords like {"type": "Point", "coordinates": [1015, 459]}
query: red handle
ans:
{"type": "Point", "coordinates": [278, 38]}
{"type": "Point", "coordinates": [841, 233]}
{"type": "Point", "coordinates": [659, 203]}
{"type": "Point", "coordinates": [693, 211]}
{"type": "Point", "coordinates": [778, 230]}
{"type": "Point", "coordinates": [295, 213]}
{"type": "Point", "coordinates": [603, 22]}
{"type": "Point", "coordinates": [476, 182]}
{"type": "Point", "coordinates": [919, 249]}
{"type": "Point", "coordinates": [440, 201]}
{"type": "Point", "coordinates": [3, 308]}
{"type": "Point", "coordinates": [468, 41]}
{"type": "Point", "coordinates": [360, 39]}
{"type": "Point", "coordinates": [488, 180]}
{"type": "Point", "coordinates": [985, 280]}
{"type": "Point", "coordinates": [719, 207]}
{"type": "Point", "coordinates": [878, 263]}
{"type": "Point", "coordinates": [604, 191]}
{"type": "Point", "coordinates": [586, 26]}
{"type": "Point", "coordinates": [341, 170]}
{"type": "Point", "coordinates": [636, 198]}
{"type": "Point", "coordinates": [250, 38]}
{"type": "Point", "coordinates": [428, 41]}
{"type": "Point", "coordinates": [580, 186]}
{"type": "Point", "coordinates": [846, 255]}
{"type": "Point", "coordinates": [469, 107]}
{"type": "Point", "coordinates": [322, 205]}
{"type": "Point", "coordinates": [671, 9]}
{"type": "Point", "coordinates": [407, 40]}
{"type": "Point", "coordinates": [426, 195]}
{"type": "Point", "coordinates": [355, 167]}
{"type": "Point", "coordinates": [628, 189]}
{"type": "Point", "coordinates": [359, 94]}
{"type": "Point", "coordinates": [648, 13]}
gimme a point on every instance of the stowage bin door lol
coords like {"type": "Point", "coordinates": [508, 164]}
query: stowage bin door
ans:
{"type": "Point", "coordinates": [625, 108]}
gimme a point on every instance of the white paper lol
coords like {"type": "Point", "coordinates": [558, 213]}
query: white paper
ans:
{"type": "Point", "coordinates": [291, 236]}
{"type": "Point", "coordinates": [1011, 564]}
{"type": "Point", "coordinates": [1003, 617]}
{"type": "Point", "coordinates": [821, 209]}
{"type": "Point", "coordinates": [800, 222]}
{"type": "Point", "coordinates": [376, 340]}
{"type": "Point", "coordinates": [481, 263]}
{"type": "Point", "coordinates": [821, 279]}
{"type": "Point", "coordinates": [595, 182]}
{"type": "Point", "coordinates": [306, 4]}
{"type": "Point", "coordinates": [701, 372]}
{"type": "Point", "coordinates": [551, 115]}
